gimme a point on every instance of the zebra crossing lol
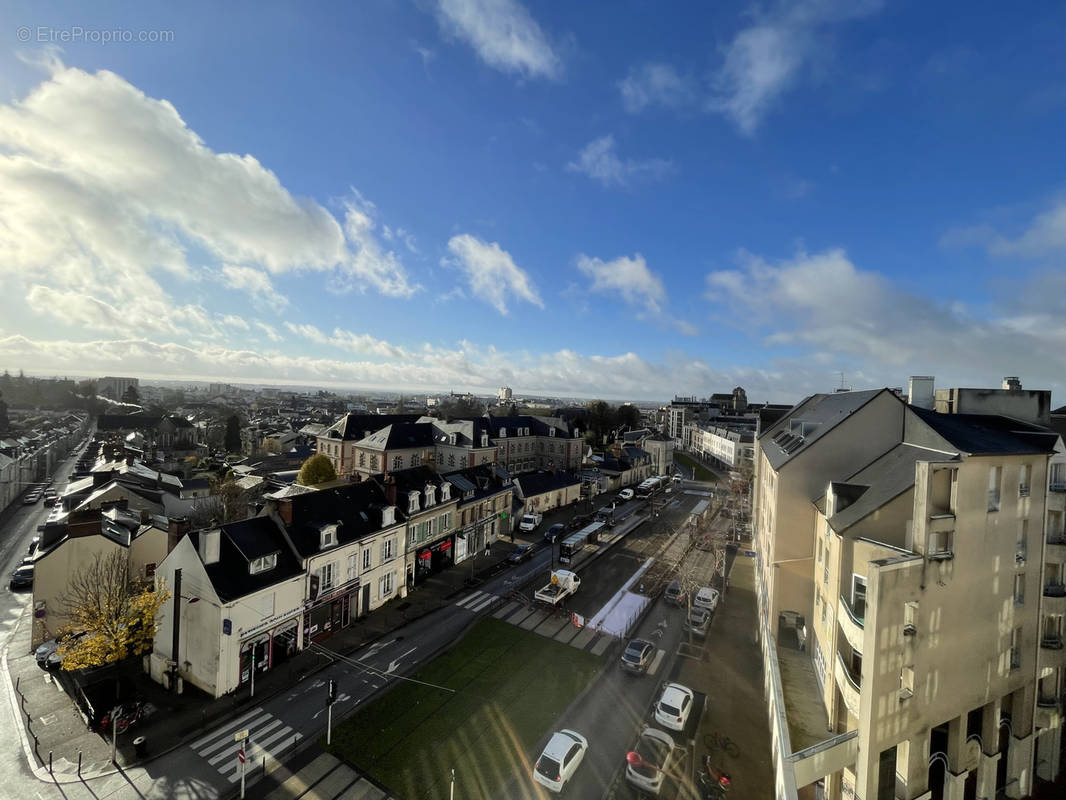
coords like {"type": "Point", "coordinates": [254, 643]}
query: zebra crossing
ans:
{"type": "Point", "coordinates": [476, 601]}
{"type": "Point", "coordinates": [267, 736]}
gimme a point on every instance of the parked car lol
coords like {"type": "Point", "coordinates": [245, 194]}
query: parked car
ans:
{"type": "Point", "coordinates": [698, 621]}
{"type": "Point", "coordinates": [673, 706]}
{"type": "Point", "coordinates": [31, 498]}
{"type": "Point", "coordinates": [521, 553]}
{"type": "Point", "coordinates": [625, 496]}
{"type": "Point", "coordinates": [655, 751]}
{"type": "Point", "coordinates": [637, 656]}
{"type": "Point", "coordinates": [554, 532]}
{"type": "Point", "coordinates": [673, 594]}
{"type": "Point", "coordinates": [560, 759]}
{"type": "Point", "coordinates": [677, 477]}
{"type": "Point", "coordinates": [706, 598]}
{"type": "Point", "coordinates": [580, 521]}
{"type": "Point", "coordinates": [35, 542]}
{"type": "Point", "coordinates": [47, 653]}
{"type": "Point", "coordinates": [530, 522]}
{"type": "Point", "coordinates": [22, 577]}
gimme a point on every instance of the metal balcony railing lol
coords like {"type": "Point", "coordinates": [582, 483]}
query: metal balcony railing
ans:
{"type": "Point", "coordinates": [1057, 486]}
{"type": "Point", "coordinates": [860, 621]}
{"type": "Point", "coordinates": [1047, 702]}
{"type": "Point", "coordinates": [1051, 641]}
{"type": "Point", "coordinates": [1023, 490]}
{"type": "Point", "coordinates": [1057, 538]}
{"type": "Point", "coordinates": [1054, 589]}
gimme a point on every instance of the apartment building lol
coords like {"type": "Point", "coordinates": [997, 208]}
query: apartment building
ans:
{"type": "Point", "coordinates": [933, 639]}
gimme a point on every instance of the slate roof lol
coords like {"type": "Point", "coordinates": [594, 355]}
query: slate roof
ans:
{"type": "Point", "coordinates": [878, 483]}
{"type": "Point", "coordinates": [467, 431]}
{"type": "Point", "coordinates": [484, 480]}
{"type": "Point", "coordinates": [534, 483]}
{"type": "Point", "coordinates": [356, 507]}
{"type": "Point", "coordinates": [817, 414]}
{"type": "Point", "coordinates": [989, 434]}
{"type": "Point", "coordinates": [353, 427]}
{"type": "Point", "coordinates": [538, 426]}
{"type": "Point", "coordinates": [400, 435]}
{"type": "Point", "coordinates": [239, 544]}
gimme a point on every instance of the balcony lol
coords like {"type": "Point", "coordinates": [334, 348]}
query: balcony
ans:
{"type": "Point", "coordinates": [851, 625]}
{"type": "Point", "coordinates": [1056, 546]}
{"type": "Point", "coordinates": [1051, 641]}
{"type": "Point", "coordinates": [1054, 589]}
{"type": "Point", "coordinates": [1057, 486]}
{"type": "Point", "coordinates": [1048, 712]}
{"type": "Point", "coordinates": [848, 685]}
{"type": "Point", "coordinates": [942, 523]}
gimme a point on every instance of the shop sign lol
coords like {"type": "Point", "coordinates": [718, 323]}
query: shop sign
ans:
{"type": "Point", "coordinates": [267, 623]}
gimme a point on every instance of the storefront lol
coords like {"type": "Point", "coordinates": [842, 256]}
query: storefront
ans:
{"type": "Point", "coordinates": [330, 612]}
{"type": "Point", "coordinates": [267, 649]}
{"type": "Point", "coordinates": [434, 558]}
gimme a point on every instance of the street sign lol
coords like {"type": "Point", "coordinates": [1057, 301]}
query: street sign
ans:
{"type": "Point", "coordinates": [332, 690]}
{"type": "Point", "coordinates": [240, 736]}
{"type": "Point", "coordinates": [240, 755]}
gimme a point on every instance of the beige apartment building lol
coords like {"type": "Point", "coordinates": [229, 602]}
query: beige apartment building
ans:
{"type": "Point", "coordinates": [910, 598]}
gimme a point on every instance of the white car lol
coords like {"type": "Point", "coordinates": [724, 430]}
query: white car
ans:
{"type": "Point", "coordinates": [656, 754]}
{"type": "Point", "coordinates": [625, 495]}
{"type": "Point", "coordinates": [560, 759]}
{"type": "Point", "coordinates": [706, 598]}
{"type": "Point", "coordinates": [674, 706]}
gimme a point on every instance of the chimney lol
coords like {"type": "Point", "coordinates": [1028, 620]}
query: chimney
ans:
{"type": "Point", "coordinates": [1012, 384]}
{"type": "Point", "coordinates": [390, 489]}
{"type": "Point", "coordinates": [129, 459]}
{"type": "Point", "coordinates": [210, 542]}
{"type": "Point", "coordinates": [177, 527]}
{"type": "Point", "coordinates": [285, 510]}
{"type": "Point", "coordinates": [920, 391]}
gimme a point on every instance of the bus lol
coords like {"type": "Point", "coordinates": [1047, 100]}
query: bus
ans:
{"type": "Point", "coordinates": [651, 486]}
{"type": "Point", "coordinates": [572, 546]}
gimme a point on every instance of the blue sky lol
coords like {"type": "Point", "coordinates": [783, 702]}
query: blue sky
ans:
{"type": "Point", "coordinates": [619, 200]}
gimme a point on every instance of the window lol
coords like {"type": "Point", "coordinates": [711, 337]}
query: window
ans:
{"type": "Point", "coordinates": [824, 612]}
{"type": "Point", "coordinates": [906, 682]}
{"type": "Point", "coordinates": [1024, 477]}
{"type": "Point", "coordinates": [385, 585]}
{"type": "Point", "coordinates": [388, 550]}
{"type": "Point", "coordinates": [362, 459]}
{"type": "Point", "coordinates": [1022, 548]}
{"type": "Point", "coordinates": [329, 537]}
{"type": "Point", "coordinates": [397, 462]}
{"type": "Point", "coordinates": [445, 522]}
{"type": "Point", "coordinates": [368, 558]}
{"type": "Point", "coordinates": [451, 459]}
{"type": "Point", "coordinates": [941, 544]}
{"type": "Point", "coordinates": [1058, 477]}
{"type": "Point", "coordinates": [1019, 589]}
{"type": "Point", "coordinates": [327, 576]}
{"type": "Point", "coordinates": [503, 433]}
{"type": "Point", "coordinates": [995, 474]}
{"type": "Point", "coordinates": [1016, 649]}
{"type": "Point", "coordinates": [825, 573]}
{"type": "Point", "coordinates": [263, 564]}
{"type": "Point", "coordinates": [910, 618]}
{"type": "Point", "coordinates": [373, 462]}
{"type": "Point", "coordinates": [858, 596]}
{"type": "Point", "coordinates": [819, 552]}
{"type": "Point", "coordinates": [353, 567]}
{"type": "Point", "coordinates": [149, 571]}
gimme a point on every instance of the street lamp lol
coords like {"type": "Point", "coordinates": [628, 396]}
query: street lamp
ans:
{"type": "Point", "coordinates": [634, 759]}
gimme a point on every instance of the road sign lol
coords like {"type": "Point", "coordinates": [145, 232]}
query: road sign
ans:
{"type": "Point", "coordinates": [240, 755]}
{"type": "Point", "coordinates": [240, 736]}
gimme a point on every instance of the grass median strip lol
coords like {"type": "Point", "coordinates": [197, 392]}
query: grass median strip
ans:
{"type": "Point", "coordinates": [699, 472]}
{"type": "Point", "coordinates": [510, 687]}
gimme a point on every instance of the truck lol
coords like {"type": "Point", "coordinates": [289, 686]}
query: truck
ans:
{"type": "Point", "coordinates": [563, 583]}
{"type": "Point", "coordinates": [530, 522]}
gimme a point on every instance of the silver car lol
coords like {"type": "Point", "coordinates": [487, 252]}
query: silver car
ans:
{"type": "Point", "coordinates": [654, 758]}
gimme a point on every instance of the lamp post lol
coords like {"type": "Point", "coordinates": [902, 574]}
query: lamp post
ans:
{"type": "Point", "coordinates": [634, 759]}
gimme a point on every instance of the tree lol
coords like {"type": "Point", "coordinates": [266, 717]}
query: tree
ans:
{"type": "Point", "coordinates": [228, 502]}
{"type": "Point", "coordinates": [627, 416]}
{"type": "Point", "coordinates": [271, 446]}
{"type": "Point", "coordinates": [317, 469]}
{"type": "Point", "coordinates": [4, 422]}
{"type": "Point", "coordinates": [131, 395]}
{"type": "Point", "coordinates": [461, 408]}
{"type": "Point", "coordinates": [232, 442]}
{"type": "Point", "coordinates": [114, 612]}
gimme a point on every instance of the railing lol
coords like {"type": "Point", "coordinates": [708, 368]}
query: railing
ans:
{"type": "Point", "coordinates": [1054, 589]}
{"type": "Point", "coordinates": [1015, 658]}
{"type": "Point", "coordinates": [1052, 642]}
{"type": "Point", "coordinates": [1047, 702]}
{"type": "Point", "coordinates": [856, 682]}
{"type": "Point", "coordinates": [1057, 486]}
{"type": "Point", "coordinates": [860, 621]}
{"type": "Point", "coordinates": [1057, 538]}
{"type": "Point", "coordinates": [1023, 490]}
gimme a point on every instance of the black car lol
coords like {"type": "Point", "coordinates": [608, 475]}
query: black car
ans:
{"type": "Point", "coordinates": [554, 532]}
{"type": "Point", "coordinates": [637, 656]}
{"type": "Point", "coordinates": [522, 553]}
{"type": "Point", "coordinates": [22, 578]}
{"type": "Point", "coordinates": [673, 594]}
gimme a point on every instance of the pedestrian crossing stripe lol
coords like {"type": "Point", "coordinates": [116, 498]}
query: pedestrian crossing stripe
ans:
{"type": "Point", "coordinates": [267, 736]}
{"type": "Point", "coordinates": [477, 601]}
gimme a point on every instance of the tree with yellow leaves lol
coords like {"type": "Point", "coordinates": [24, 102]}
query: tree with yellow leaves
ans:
{"type": "Point", "coordinates": [113, 610]}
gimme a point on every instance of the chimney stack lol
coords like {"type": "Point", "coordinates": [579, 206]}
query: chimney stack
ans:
{"type": "Point", "coordinates": [390, 489]}
{"type": "Point", "coordinates": [285, 510]}
{"type": "Point", "coordinates": [1012, 383]}
{"type": "Point", "coordinates": [920, 391]}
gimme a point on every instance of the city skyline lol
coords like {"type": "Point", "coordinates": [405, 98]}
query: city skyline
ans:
{"type": "Point", "coordinates": [465, 194]}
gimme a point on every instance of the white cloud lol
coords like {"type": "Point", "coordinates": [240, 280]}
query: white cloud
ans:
{"type": "Point", "coordinates": [361, 343]}
{"type": "Point", "coordinates": [654, 84]}
{"type": "Point", "coordinates": [823, 304]}
{"type": "Point", "coordinates": [631, 279]}
{"type": "Point", "coordinates": [490, 271]}
{"type": "Point", "coordinates": [503, 34]}
{"type": "Point", "coordinates": [256, 283]}
{"type": "Point", "coordinates": [766, 58]}
{"type": "Point", "coordinates": [104, 190]}
{"type": "Point", "coordinates": [372, 265]}
{"type": "Point", "coordinates": [269, 331]}
{"type": "Point", "coordinates": [600, 162]}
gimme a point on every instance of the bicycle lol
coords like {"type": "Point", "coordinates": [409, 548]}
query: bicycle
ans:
{"type": "Point", "coordinates": [717, 741]}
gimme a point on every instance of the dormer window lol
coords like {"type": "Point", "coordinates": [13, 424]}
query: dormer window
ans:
{"type": "Point", "coordinates": [445, 492]}
{"type": "Point", "coordinates": [525, 431]}
{"type": "Point", "coordinates": [484, 440]}
{"type": "Point", "coordinates": [263, 564]}
{"type": "Point", "coordinates": [388, 516]}
{"type": "Point", "coordinates": [327, 536]}
{"type": "Point", "coordinates": [452, 438]}
{"type": "Point", "coordinates": [551, 431]}
{"type": "Point", "coordinates": [412, 501]}
{"type": "Point", "coordinates": [431, 494]}
{"type": "Point", "coordinates": [503, 433]}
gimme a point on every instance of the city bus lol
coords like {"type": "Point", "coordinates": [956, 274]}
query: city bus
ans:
{"type": "Point", "coordinates": [571, 548]}
{"type": "Point", "coordinates": [650, 487]}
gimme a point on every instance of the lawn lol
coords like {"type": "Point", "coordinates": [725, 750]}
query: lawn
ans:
{"type": "Point", "coordinates": [700, 472]}
{"type": "Point", "coordinates": [510, 687]}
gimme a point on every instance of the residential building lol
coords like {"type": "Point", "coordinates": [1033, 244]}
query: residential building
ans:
{"type": "Point", "coordinates": [485, 498]}
{"type": "Point", "coordinates": [903, 564]}
{"type": "Point", "coordinates": [114, 388]}
{"type": "Point", "coordinates": [338, 442]}
{"type": "Point", "coordinates": [540, 492]}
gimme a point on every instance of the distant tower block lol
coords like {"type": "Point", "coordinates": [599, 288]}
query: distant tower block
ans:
{"type": "Point", "coordinates": [504, 394]}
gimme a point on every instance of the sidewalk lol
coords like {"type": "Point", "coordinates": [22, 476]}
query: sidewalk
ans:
{"type": "Point", "coordinates": [57, 733]}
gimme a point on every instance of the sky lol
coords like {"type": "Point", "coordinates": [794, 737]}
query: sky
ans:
{"type": "Point", "coordinates": [627, 200]}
